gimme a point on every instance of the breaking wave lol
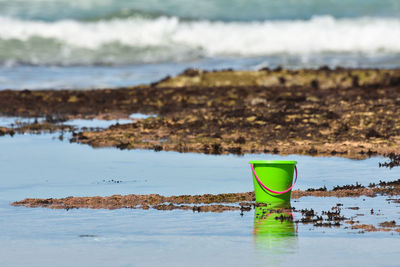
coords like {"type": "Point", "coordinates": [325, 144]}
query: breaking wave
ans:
{"type": "Point", "coordinates": [135, 40]}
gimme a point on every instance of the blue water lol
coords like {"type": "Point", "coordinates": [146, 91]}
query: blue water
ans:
{"type": "Point", "coordinates": [42, 166]}
{"type": "Point", "coordinates": [77, 123]}
{"type": "Point", "coordinates": [103, 43]}
{"type": "Point", "coordinates": [40, 237]}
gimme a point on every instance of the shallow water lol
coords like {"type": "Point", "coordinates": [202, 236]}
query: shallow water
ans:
{"type": "Point", "coordinates": [96, 123]}
{"type": "Point", "coordinates": [79, 123]}
{"type": "Point", "coordinates": [14, 121]}
{"type": "Point", "coordinates": [40, 166]}
{"type": "Point", "coordinates": [42, 237]}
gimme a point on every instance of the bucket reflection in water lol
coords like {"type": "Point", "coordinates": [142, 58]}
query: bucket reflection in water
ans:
{"type": "Point", "coordinates": [274, 230]}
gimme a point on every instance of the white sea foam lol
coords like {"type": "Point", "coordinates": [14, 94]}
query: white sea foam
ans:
{"type": "Point", "coordinates": [317, 35]}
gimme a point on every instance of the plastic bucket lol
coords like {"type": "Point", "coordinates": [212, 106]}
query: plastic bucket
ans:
{"type": "Point", "coordinates": [273, 180]}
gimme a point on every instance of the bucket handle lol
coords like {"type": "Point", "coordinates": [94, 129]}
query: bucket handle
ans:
{"type": "Point", "coordinates": [270, 190]}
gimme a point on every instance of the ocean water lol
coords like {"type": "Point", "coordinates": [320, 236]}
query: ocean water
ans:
{"type": "Point", "coordinates": [110, 43]}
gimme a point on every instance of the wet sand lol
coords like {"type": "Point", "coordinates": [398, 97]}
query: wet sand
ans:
{"type": "Point", "coordinates": [343, 112]}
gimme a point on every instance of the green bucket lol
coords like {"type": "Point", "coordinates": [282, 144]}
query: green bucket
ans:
{"type": "Point", "coordinates": [273, 180]}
